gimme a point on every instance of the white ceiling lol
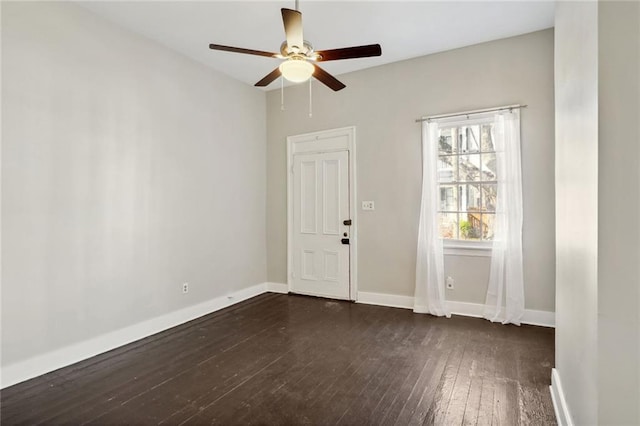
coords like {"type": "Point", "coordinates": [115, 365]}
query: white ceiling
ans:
{"type": "Point", "coordinates": [403, 29]}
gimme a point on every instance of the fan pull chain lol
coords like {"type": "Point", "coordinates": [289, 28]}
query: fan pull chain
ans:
{"type": "Point", "coordinates": [310, 98]}
{"type": "Point", "coordinates": [281, 93]}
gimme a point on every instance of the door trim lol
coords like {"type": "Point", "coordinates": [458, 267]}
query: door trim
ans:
{"type": "Point", "coordinates": [317, 143]}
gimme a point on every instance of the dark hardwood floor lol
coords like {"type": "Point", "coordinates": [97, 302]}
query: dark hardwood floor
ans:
{"type": "Point", "coordinates": [278, 359]}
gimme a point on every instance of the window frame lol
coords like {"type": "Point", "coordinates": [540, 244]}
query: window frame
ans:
{"type": "Point", "coordinates": [458, 247]}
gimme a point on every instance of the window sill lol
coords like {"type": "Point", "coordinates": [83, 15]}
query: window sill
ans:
{"type": "Point", "coordinates": [467, 248]}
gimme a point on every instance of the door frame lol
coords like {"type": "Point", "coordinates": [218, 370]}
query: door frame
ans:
{"type": "Point", "coordinates": [318, 143]}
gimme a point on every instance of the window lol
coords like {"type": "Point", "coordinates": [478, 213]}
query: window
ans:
{"type": "Point", "coordinates": [467, 181]}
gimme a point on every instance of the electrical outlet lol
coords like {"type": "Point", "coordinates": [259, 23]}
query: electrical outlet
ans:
{"type": "Point", "coordinates": [450, 283]}
{"type": "Point", "coordinates": [185, 288]}
{"type": "Point", "coordinates": [368, 205]}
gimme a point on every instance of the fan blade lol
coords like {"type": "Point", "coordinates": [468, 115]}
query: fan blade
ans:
{"type": "Point", "coordinates": [327, 79]}
{"type": "Point", "coordinates": [292, 20]}
{"type": "Point", "coordinates": [241, 50]}
{"type": "Point", "coordinates": [350, 52]}
{"type": "Point", "coordinates": [268, 78]}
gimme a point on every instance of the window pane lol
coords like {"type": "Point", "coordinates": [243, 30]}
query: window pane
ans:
{"type": "Point", "coordinates": [488, 221]}
{"type": "Point", "coordinates": [469, 167]}
{"type": "Point", "coordinates": [486, 139]}
{"type": "Point", "coordinates": [445, 143]}
{"type": "Point", "coordinates": [466, 157]}
{"type": "Point", "coordinates": [469, 138]}
{"type": "Point", "coordinates": [489, 166]}
{"type": "Point", "coordinates": [469, 196]}
{"type": "Point", "coordinates": [489, 197]}
{"type": "Point", "coordinates": [448, 225]}
{"type": "Point", "coordinates": [447, 168]}
{"type": "Point", "coordinates": [448, 198]}
{"type": "Point", "coordinates": [470, 226]}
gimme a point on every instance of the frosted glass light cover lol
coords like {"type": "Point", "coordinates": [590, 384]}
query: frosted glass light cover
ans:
{"type": "Point", "coordinates": [296, 70]}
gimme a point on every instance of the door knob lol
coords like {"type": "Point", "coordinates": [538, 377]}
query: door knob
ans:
{"type": "Point", "coordinates": [347, 222]}
{"type": "Point", "coordinates": [345, 241]}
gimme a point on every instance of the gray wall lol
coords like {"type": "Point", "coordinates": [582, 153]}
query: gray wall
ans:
{"type": "Point", "coordinates": [598, 197]}
{"type": "Point", "coordinates": [618, 208]}
{"type": "Point", "coordinates": [383, 103]}
{"type": "Point", "coordinates": [127, 169]}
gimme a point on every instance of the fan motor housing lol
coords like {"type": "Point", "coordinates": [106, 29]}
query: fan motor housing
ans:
{"type": "Point", "coordinates": [307, 49]}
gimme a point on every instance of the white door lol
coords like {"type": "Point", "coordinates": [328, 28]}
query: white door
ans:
{"type": "Point", "coordinates": [320, 234]}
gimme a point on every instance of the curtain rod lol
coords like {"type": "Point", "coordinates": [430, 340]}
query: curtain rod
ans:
{"type": "Point", "coordinates": [467, 113]}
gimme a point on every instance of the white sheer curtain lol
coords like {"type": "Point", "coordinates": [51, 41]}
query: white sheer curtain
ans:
{"type": "Point", "coordinates": [429, 294]}
{"type": "Point", "coordinates": [505, 295]}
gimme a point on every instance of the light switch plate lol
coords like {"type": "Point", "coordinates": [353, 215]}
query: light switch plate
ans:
{"type": "Point", "coordinates": [368, 205]}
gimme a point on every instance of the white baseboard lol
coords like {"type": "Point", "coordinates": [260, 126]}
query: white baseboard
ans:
{"type": "Point", "coordinates": [50, 361]}
{"type": "Point", "coordinates": [541, 318]}
{"type": "Point", "coordinates": [559, 402]}
{"type": "Point", "coordinates": [381, 299]}
{"type": "Point", "coordinates": [466, 309]}
{"type": "Point", "coordinates": [277, 288]}
{"type": "Point", "coordinates": [531, 317]}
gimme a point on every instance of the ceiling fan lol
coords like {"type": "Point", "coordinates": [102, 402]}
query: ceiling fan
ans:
{"type": "Point", "coordinates": [299, 57]}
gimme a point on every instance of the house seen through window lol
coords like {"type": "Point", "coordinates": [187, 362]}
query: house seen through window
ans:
{"type": "Point", "coordinates": [467, 182]}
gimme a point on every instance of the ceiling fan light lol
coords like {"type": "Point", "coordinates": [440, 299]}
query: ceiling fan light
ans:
{"type": "Point", "coordinates": [296, 70]}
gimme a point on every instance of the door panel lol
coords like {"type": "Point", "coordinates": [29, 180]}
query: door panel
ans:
{"type": "Point", "coordinates": [321, 197]}
{"type": "Point", "coordinates": [331, 197]}
{"type": "Point", "coordinates": [308, 197]}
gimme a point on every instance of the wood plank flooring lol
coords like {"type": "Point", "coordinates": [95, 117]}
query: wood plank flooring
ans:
{"type": "Point", "coordinates": [278, 359]}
